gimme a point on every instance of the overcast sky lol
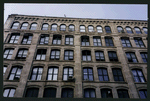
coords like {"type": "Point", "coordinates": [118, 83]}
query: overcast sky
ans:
{"type": "Point", "coordinates": [100, 11]}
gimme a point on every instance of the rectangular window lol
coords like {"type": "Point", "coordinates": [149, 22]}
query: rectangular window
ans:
{"type": "Point", "coordinates": [44, 39]}
{"type": "Point", "coordinates": [88, 74]}
{"type": "Point", "coordinates": [41, 54]}
{"type": "Point", "coordinates": [14, 38]}
{"type": "Point", "coordinates": [125, 42]}
{"type": "Point", "coordinates": [99, 55]}
{"type": "Point", "coordinates": [68, 72]}
{"type": "Point", "coordinates": [97, 41]}
{"type": "Point", "coordinates": [9, 92]}
{"type": "Point", "coordinates": [85, 40]}
{"type": "Point", "coordinates": [50, 92]}
{"type": "Point", "coordinates": [27, 39]}
{"type": "Point", "coordinates": [36, 73]}
{"type": "Point", "coordinates": [117, 74]}
{"type": "Point", "coordinates": [143, 94]}
{"type": "Point", "coordinates": [86, 55]}
{"type": "Point", "coordinates": [106, 93]}
{"type": "Point", "coordinates": [112, 56]}
{"type": "Point", "coordinates": [22, 54]}
{"type": "Point", "coordinates": [144, 56]}
{"type": "Point", "coordinates": [57, 39]}
{"type": "Point", "coordinates": [102, 74]}
{"type": "Point", "coordinates": [122, 93]}
{"type": "Point", "coordinates": [68, 55]}
{"type": "Point", "coordinates": [138, 75]}
{"type": "Point", "coordinates": [131, 57]}
{"type": "Point", "coordinates": [15, 73]}
{"type": "Point", "coordinates": [8, 53]}
{"type": "Point", "coordinates": [52, 73]}
{"type": "Point", "coordinates": [4, 69]}
{"type": "Point", "coordinates": [139, 42]}
{"type": "Point", "coordinates": [69, 40]}
{"type": "Point", "coordinates": [32, 92]}
{"type": "Point", "coordinates": [89, 93]}
{"type": "Point", "coordinates": [109, 41]}
{"type": "Point", "coordinates": [55, 55]}
{"type": "Point", "coordinates": [67, 93]}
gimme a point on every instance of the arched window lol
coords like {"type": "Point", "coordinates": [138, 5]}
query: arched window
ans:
{"type": "Point", "coordinates": [145, 30]}
{"type": "Point", "coordinates": [62, 27]}
{"type": "Point", "coordinates": [82, 28]}
{"type": "Point", "coordinates": [99, 29]}
{"type": "Point", "coordinates": [129, 30]}
{"type": "Point", "coordinates": [71, 28]}
{"type": "Point", "coordinates": [89, 93]}
{"type": "Point", "coordinates": [67, 93]}
{"type": "Point", "coordinates": [33, 26]}
{"type": "Point", "coordinates": [137, 30]}
{"type": "Point", "coordinates": [50, 92]}
{"type": "Point", "coordinates": [123, 93]}
{"type": "Point", "coordinates": [32, 92]}
{"type": "Point", "coordinates": [45, 26]}
{"type": "Point", "coordinates": [24, 25]}
{"type": "Point", "coordinates": [106, 93]}
{"type": "Point", "coordinates": [9, 92]}
{"type": "Point", "coordinates": [120, 29]}
{"type": "Point", "coordinates": [91, 28]}
{"type": "Point", "coordinates": [15, 25]}
{"type": "Point", "coordinates": [54, 27]}
{"type": "Point", "coordinates": [108, 30]}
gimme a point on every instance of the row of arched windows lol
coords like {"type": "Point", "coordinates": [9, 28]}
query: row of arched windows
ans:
{"type": "Point", "coordinates": [50, 92]}
{"type": "Point", "coordinates": [71, 27]}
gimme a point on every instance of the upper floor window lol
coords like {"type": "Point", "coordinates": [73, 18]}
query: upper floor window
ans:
{"type": "Point", "coordinates": [97, 41]}
{"type": "Point", "coordinates": [15, 73]}
{"type": "Point", "coordinates": [68, 55]}
{"type": "Point", "coordinates": [52, 73]}
{"type": "Point", "coordinates": [108, 30]}
{"type": "Point", "coordinates": [68, 72]}
{"type": "Point", "coordinates": [88, 74]}
{"type": "Point", "coordinates": [4, 69]}
{"type": "Point", "coordinates": [55, 54]}
{"type": "Point", "coordinates": [144, 56]}
{"type": "Point", "coordinates": [33, 26]}
{"type": "Point", "coordinates": [91, 28]}
{"type": "Point", "coordinates": [71, 28]}
{"type": "Point", "coordinates": [89, 93]}
{"type": "Point", "coordinates": [143, 93]}
{"type": "Point", "coordinates": [99, 55]}
{"type": "Point", "coordinates": [129, 30]}
{"type": "Point", "coordinates": [54, 27]}
{"type": "Point", "coordinates": [86, 55]}
{"type": "Point", "coordinates": [125, 42]}
{"type": "Point", "coordinates": [14, 38]}
{"type": "Point", "coordinates": [145, 30]}
{"type": "Point", "coordinates": [117, 74]}
{"type": "Point", "coordinates": [137, 30]}
{"type": "Point", "coordinates": [69, 40]}
{"type": "Point", "coordinates": [139, 42]}
{"type": "Point", "coordinates": [8, 53]}
{"type": "Point", "coordinates": [45, 26]}
{"type": "Point", "coordinates": [112, 56]}
{"type": "Point", "coordinates": [102, 74]}
{"type": "Point", "coordinates": [62, 27]}
{"type": "Point", "coordinates": [24, 25]}
{"type": "Point", "coordinates": [32, 92]}
{"type": "Point", "coordinates": [9, 92]}
{"type": "Point", "coordinates": [44, 39]}
{"type": "Point", "coordinates": [67, 93]}
{"type": "Point", "coordinates": [131, 57]}
{"type": "Point", "coordinates": [122, 93]}
{"type": "Point", "coordinates": [41, 54]}
{"type": "Point", "coordinates": [85, 40]}
{"type": "Point", "coordinates": [82, 28]}
{"type": "Point", "coordinates": [36, 73]}
{"type": "Point", "coordinates": [27, 39]}
{"type": "Point", "coordinates": [50, 92]}
{"type": "Point", "coordinates": [57, 39]}
{"type": "Point", "coordinates": [138, 75]}
{"type": "Point", "coordinates": [22, 54]}
{"type": "Point", "coordinates": [15, 25]}
{"type": "Point", "coordinates": [99, 29]}
{"type": "Point", "coordinates": [120, 29]}
{"type": "Point", "coordinates": [109, 41]}
{"type": "Point", "coordinates": [106, 93]}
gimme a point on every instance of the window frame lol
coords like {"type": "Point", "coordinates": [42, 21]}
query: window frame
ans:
{"type": "Point", "coordinates": [145, 93]}
{"type": "Point", "coordinates": [37, 73]}
{"type": "Point", "coordinates": [4, 69]}
{"type": "Point", "coordinates": [56, 50]}
{"type": "Point", "coordinates": [57, 38]}
{"type": "Point", "coordinates": [53, 27]}
{"type": "Point", "coordinates": [106, 91]}
{"type": "Point", "coordinates": [145, 56]}
{"type": "Point", "coordinates": [8, 94]}
{"type": "Point", "coordinates": [86, 55]}
{"type": "Point", "coordinates": [69, 55]}
{"type": "Point", "coordinates": [146, 32]}
{"type": "Point", "coordinates": [16, 26]}
{"type": "Point", "coordinates": [109, 41]}
{"type": "Point", "coordinates": [52, 74]}
{"type": "Point", "coordinates": [129, 31]}
{"type": "Point", "coordinates": [16, 37]}
{"type": "Point", "coordinates": [100, 30]}
{"type": "Point", "coordinates": [102, 75]}
{"type": "Point", "coordinates": [137, 77]}
{"type": "Point", "coordinates": [89, 90]}
{"type": "Point", "coordinates": [90, 28]}
{"type": "Point", "coordinates": [108, 29]}
{"type": "Point", "coordinates": [125, 43]}
{"type": "Point", "coordinates": [15, 74]}
{"type": "Point", "coordinates": [131, 57]}
{"type": "Point", "coordinates": [137, 30]}
{"type": "Point", "coordinates": [27, 37]}
{"type": "Point", "coordinates": [68, 73]}
{"type": "Point", "coordinates": [33, 26]}
{"type": "Point", "coordinates": [82, 29]}
{"type": "Point", "coordinates": [45, 28]}
{"type": "Point", "coordinates": [67, 90]}
{"type": "Point", "coordinates": [139, 42]}
{"type": "Point", "coordinates": [96, 43]}
{"type": "Point", "coordinates": [123, 91]}
{"type": "Point", "coordinates": [48, 93]}
{"type": "Point", "coordinates": [24, 27]}
{"type": "Point", "coordinates": [118, 75]}
{"type": "Point", "coordinates": [120, 31]}
{"type": "Point", "coordinates": [23, 55]}
{"type": "Point", "coordinates": [62, 29]}
{"type": "Point", "coordinates": [33, 91]}
{"type": "Point", "coordinates": [46, 39]}
{"type": "Point", "coordinates": [69, 36]}
{"type": "Point", "coordinates": [71, 29]}
{"type": "Point", "coordinates": [8, 54]}
{"type": "Point", "coordinates": [111, 56]}
{"type": "Point", "coordinates": [41, 52]}
{"type": "Point", "coordinates": [85, 40]}
{"type": "Point", "coordinates": [101, 58]}
{"type": "Point", "coordinates": [88, 74]}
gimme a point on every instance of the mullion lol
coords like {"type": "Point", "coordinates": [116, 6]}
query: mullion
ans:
{"type": "Point", "coordinates": [8, 92]}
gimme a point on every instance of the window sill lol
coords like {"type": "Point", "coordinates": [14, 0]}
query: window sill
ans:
{"type": "Point", "coordinates": [11, 80]}
{"type": "Point", "coordinates": [140, 82]}
{"type": "Point", "coordinates": [20, 59]}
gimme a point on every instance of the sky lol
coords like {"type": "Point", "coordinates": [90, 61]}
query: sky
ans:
{"type": "Point", "coordinates": [95, 11]}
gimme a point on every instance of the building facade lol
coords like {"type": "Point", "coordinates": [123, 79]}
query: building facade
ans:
{"type": "Point", "coordinates": [62, 57]}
